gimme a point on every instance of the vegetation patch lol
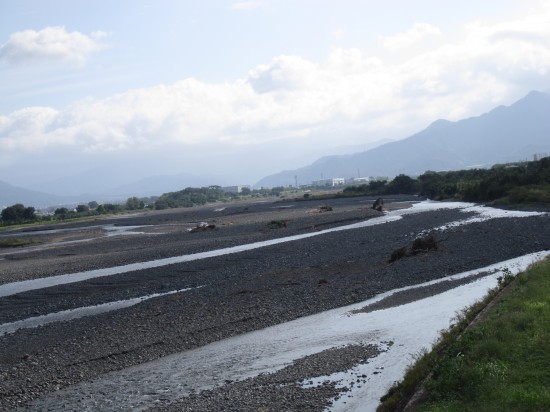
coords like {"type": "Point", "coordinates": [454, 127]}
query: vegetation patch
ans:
{"type": "Point", "coordinates": [276, 224]}
{"type": "Point", "coordinates": [505, 184]}
{"type": "Point", "coordinates": [16, 242]}
{"type": "Point", "coordinates": [325, 208]}
{"type": "Point", "coordinates": [500, 363]}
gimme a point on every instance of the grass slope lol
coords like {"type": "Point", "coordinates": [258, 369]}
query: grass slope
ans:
{"type": "Point", "coordinates": [502, 363]}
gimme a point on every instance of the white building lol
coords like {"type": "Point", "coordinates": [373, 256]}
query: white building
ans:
{"type": "Point", "coordinates": [235, 189]}
{"type": "Point", "coordinates": [335, 181]}
{"type": "Point", "coordinates": [358, 180]}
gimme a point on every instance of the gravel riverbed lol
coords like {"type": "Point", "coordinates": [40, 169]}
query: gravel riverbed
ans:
{"type": "Point", "coordinates": [231, 294]}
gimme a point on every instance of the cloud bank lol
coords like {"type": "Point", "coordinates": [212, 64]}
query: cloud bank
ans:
{"type": "Point", "coordinates": [289, 101]}
{"type": "Point", "coordinates": [51, 43]}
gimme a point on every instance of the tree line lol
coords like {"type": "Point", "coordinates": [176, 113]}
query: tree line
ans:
{"type": "Point", "coordinates": [19, 214]}
{"type": "Point", "coordinates": [511, 183]}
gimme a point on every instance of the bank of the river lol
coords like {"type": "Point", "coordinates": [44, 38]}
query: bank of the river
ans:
{"type": "Point", "coordinates": [495, 358]}
{"type": "Point", "coordinates": [240, 292]}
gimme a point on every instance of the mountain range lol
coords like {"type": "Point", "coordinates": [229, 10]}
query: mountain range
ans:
{"type": "Point", "coordinates": [67, 190]}
{"type": "Point", "coordinates": [506, 133]}
{"type": "Point", "coordinates": [10, 195]}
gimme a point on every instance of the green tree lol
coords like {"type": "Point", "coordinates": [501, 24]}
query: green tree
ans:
{"type": "Point", "coordinates": [18, 214]}
{"type": "Point", "coordinates": [431, 184]}
{"type": "Point", "coordinates": [82, 209]}
{"type": "Point", "coordinates": [111, 208]}
{"type": "Point", "coordinates": [403, 184]}
{"type": "Point", "coordinates": [133, 203]}
{"type": "Point", "coordinates": [61, 212]}
{"type": "Point", "coordinates": [377, 186]}
{"type": "Point", "coordinates": [93, 204]}
{"type": "Point", "coordinates": [277, 190]}
{"type": "Point", "coordinates": [161, 204]}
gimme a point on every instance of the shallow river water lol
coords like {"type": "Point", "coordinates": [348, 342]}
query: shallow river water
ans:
{"type": "Point", "coordinates": [409, 328]}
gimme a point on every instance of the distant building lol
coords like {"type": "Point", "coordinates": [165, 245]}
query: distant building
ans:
{"type": "Point", "coordinates": [335, 181]}
{"type": "Point", "coordinates": [358, 180]}
{"type": "Point", "coordinates": [235, 189]}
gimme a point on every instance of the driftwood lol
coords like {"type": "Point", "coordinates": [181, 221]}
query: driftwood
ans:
{"type": "Point", "coordinates": [421, 244]}
{"type": "Point", "coordinates": [202, 227]}
{"type": "Point", "coordinates": [378, 204]}
{"type": "Point", "coordinates": [325, 208]}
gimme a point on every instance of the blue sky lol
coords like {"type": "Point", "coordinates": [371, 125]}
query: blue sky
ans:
{"type": "Point", "coordinates": [242, 89]}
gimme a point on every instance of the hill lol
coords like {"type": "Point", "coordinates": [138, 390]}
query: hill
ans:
{"type": "Point", "coordinates": [10, 195]}
{"type": "Point", "coordinates": [506, 133]}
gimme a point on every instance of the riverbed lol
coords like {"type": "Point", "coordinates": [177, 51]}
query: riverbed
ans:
{"type": "Point", "coordinates": [165, 294]}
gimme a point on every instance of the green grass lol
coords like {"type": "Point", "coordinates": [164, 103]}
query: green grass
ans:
{"type": "Point", "coordinates": [16, 242]}
{"type": "Point", "coordinates": [501, 364]}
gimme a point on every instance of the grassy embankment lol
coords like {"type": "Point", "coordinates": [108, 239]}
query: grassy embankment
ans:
{"type": "Point", "coordinates": [501, 363]}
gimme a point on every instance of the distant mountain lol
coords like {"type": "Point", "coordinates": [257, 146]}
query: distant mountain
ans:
{"type": "Point", "coordinates": [104, 185]}
{"type": "Point", "coordinates": [157, 185]}
{"type": "Point", "coordinates": [10, 195]}
{"type": "Point", "coordinates": [504, 134]}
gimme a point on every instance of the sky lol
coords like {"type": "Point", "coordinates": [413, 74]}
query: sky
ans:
{"type": "Point", "coordinates": [236, 90]}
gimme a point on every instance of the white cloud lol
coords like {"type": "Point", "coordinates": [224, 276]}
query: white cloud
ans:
{"type": "Point", "coordinates": [284, 73]}
{"type": "Point", "coordinates": [51, 43]}
{"type": "Point", "coordinates": [293, 101]}
{"type": "Point", "coordinates": [410, 37]}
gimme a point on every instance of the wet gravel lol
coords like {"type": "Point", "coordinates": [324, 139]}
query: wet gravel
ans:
{"type": "Point", "coordinates": [241, 292]}
{"type": "Point", "coordinates": [283, 390]}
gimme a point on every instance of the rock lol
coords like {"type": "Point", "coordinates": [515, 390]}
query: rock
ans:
{"type": "Point", "coordinates": [378, 204]}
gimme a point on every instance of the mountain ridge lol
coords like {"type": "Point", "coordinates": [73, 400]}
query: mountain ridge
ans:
{"type": "Point", "coordinates": [505, 133]}
{"type": "Point", "coordinates": [10, 195]}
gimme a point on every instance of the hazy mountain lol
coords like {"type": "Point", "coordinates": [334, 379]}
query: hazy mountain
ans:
{"type": "Point", "coordinates": [511, 133]}
{"type": "Point", "coordinates": [150, 186]}
{"type": "Point", "coordinates": [10, 195]}
{"type": "Point", "coordinates": [157, 185]}
{"type": "Point", "coordinates": [345, 150]}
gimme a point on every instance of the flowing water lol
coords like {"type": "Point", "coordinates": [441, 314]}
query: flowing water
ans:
{"type": "Point", "coordinates": [409, 328]}
{"type": "Point", "coordinates": [81, 312]}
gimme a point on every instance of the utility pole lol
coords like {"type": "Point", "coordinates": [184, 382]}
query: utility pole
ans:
{"type": "Point", "coordinates": [296, 180]}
